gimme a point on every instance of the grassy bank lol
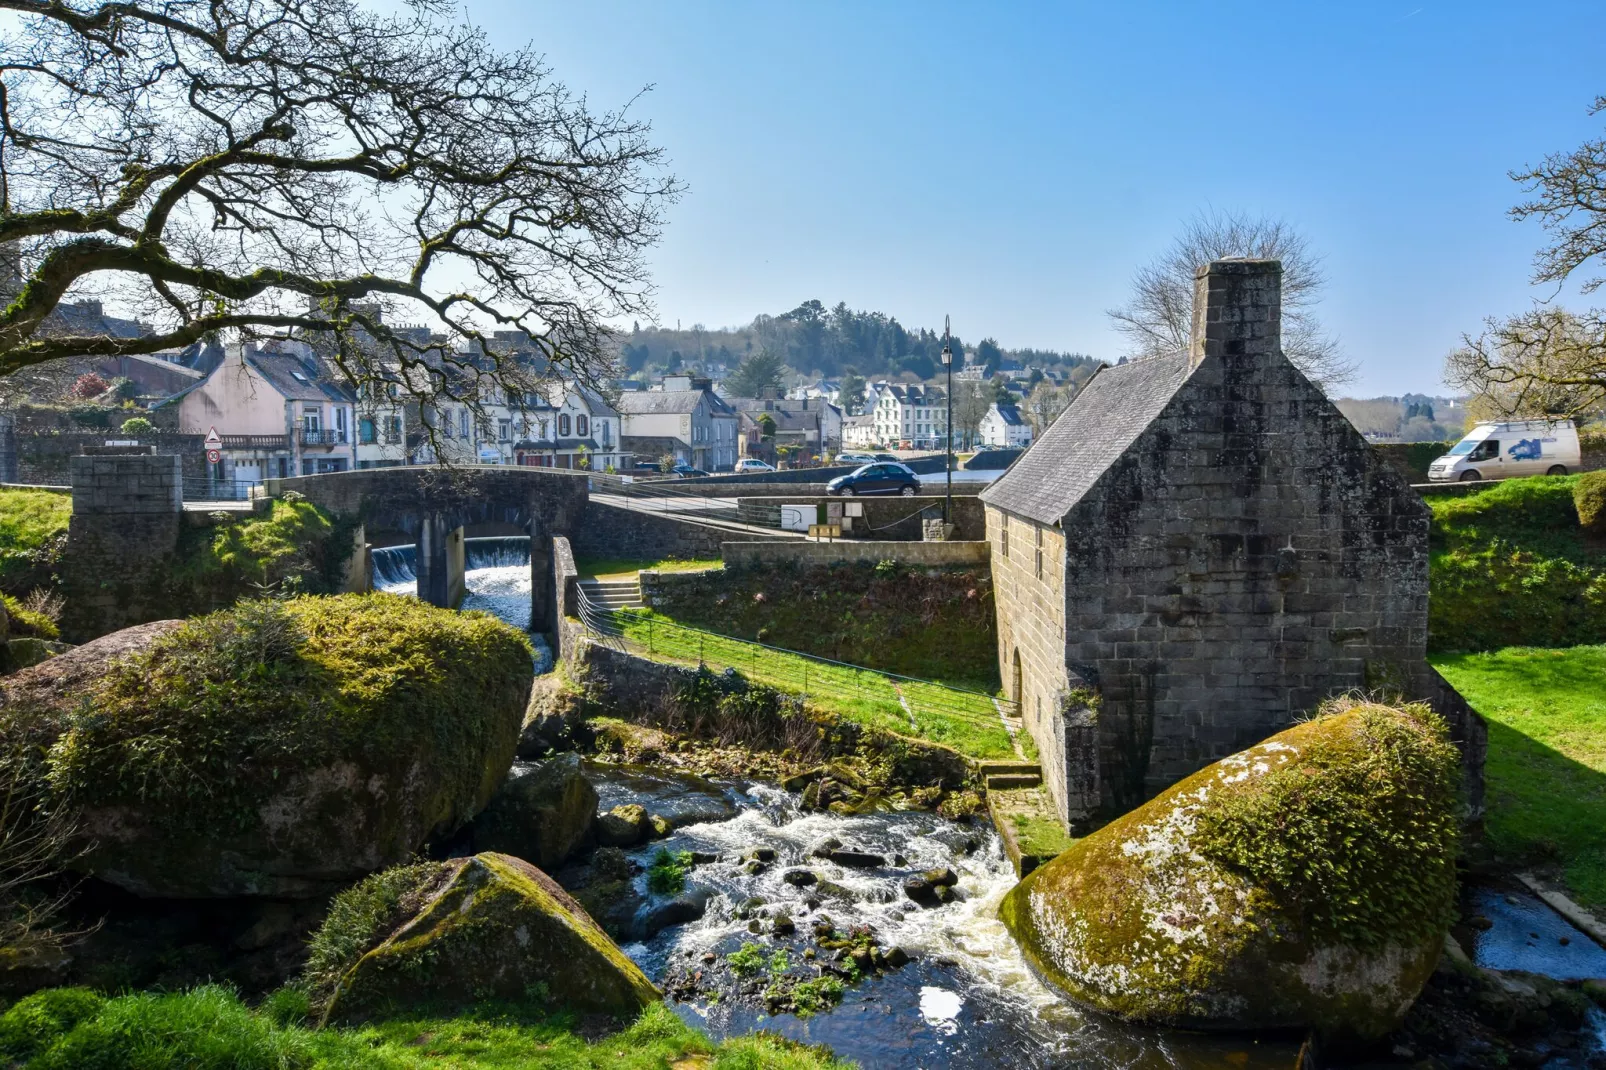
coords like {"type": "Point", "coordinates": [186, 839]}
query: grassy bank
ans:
{"type": "Point", "coordinates": [609, 568]}
{"type": "Point", "coordinates": [210, 1029]}
{"type": "Point", "coordinates": [31, 521]}
{"type": "Point", "coordinates": [1546, 769]}
{"type": "Point", "coordinates": [966, 721]}
{"type": "Point", "coordinates": [1512, 567]}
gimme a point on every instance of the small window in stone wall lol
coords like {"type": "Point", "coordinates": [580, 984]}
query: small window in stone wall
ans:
{"type": "Point", "coordinates": [1039, 553]}
{"type": "Point", "coordinates": [1003, 535]}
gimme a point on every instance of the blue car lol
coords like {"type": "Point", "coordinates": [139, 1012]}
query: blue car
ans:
{"type": "Point", "coordinates": [883, 477]}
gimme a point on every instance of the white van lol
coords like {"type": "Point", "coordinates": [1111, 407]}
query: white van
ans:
{"type": "Point", "coordinates": [1517, 448]}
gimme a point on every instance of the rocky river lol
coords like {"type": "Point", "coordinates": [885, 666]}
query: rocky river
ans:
{"type": "Point", "coordinates": [949, 986]}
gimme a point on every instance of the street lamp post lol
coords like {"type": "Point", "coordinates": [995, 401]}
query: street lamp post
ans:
{"type": "Point", "coordinates": [948, 430]}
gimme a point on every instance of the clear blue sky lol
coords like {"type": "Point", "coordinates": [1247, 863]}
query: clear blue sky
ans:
{"type": "Point", "coordinates": [1012, 164]}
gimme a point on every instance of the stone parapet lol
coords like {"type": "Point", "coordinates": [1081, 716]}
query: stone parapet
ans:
{"type": "Point", "coordinates": [792, 551]}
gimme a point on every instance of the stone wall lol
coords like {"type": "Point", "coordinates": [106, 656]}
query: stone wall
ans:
{"type": "Point", "coordinates": [614, 533]}
{"type": "Point", "coordinates": [8, 448]}
{"type": "Point", "coordinates": [1248, 556]}
{"type": "Point", "coordinates": [884, 518]}
{"type": "Point", "coordinates": [121, 541]}
{"type": "Point", "coordinates": [48, 458]}
{"type": "Point", "coordinates": [747, 554]}
{"type": "Point", "coordinates": [564, 626]}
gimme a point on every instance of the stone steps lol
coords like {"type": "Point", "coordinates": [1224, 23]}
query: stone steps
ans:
{"type": "Point", "coordinates": [1010, 781]}
{"type": "Point", "coordinates": [613, 594]}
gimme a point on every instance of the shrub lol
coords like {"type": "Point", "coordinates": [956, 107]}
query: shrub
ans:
{"type": "Point", "coordinates": [89, 385]}
{"type": "Point", "coordinates": [1589, 498]}
{"type": "Point", "coordinates": [198, 728]}
{"type": "Point", "coordinates": [28, 619]}
{"type": "Point", "coordinates": [667, 874]}
{"type": "Point", "coordinates": [358, 919]}
{"type": "Point", "coordinates": [35, 1022]}
{"type": "Point", "coordinates": [137, 425]}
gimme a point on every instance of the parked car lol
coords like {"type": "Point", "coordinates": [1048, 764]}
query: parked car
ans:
{"type": "Point", "coordinates": [753, 464]}
{"type": "Point", "coordinates": [884, 477]}
{"type": "Point", "coordinates": [686, 471]}
{"type": "Point", "coordinates": [857, 458]}
{"type": "Point", "coordinates": [1515, 448]}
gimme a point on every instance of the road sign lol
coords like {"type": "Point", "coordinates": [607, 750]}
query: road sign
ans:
{"type": "Point", "coordinates": [214, 456]}
{"type": "Point", "coordinates": [214, 443]}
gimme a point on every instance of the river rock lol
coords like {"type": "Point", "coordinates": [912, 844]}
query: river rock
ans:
{"type": "Point", "coordinates": [541, 813]}
{"type": "Point", "coordinates": [491, 927]}
{"type": "Point", "coordinates": [320, 739]}
{"type": "Point", "coordinates": [800, 878]}
{"type": "Point", "coordinates": [554, 719]}
{"type": "Point", "coordinates": [856, 859]}
{"type": "Point", "coordinates": [1306, 882]}
{"type": "Point", "coordinates": [623, 826]}
{"type": "Point", "coordinates": [931, 888]}
{"type": "Point", "coordinates": [688, 906]}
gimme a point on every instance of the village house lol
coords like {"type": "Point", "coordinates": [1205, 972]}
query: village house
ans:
{"type": "Point", "coordinates": [1198, 552]}
{"type": "Point", "coordinates": [279, 411]}
{"type": "Point", "coordinates": [684, 419]}
{"type": "Point", "coordinates": [1003, 425]}
{"type": "Point", "coordinates": [810, 425]}
{"type": "Point", "coordinates": [909, 412]}
{"type": "Point", "coordinates": [859, 432]}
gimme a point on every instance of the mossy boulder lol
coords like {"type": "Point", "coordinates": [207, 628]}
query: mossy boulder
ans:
{"type": "Point", "coordinates": [275, 748]}
{"type": "Point", "coordinates": [542, 813]}
{"type": "Point", "coordinates": [487, 927]}
{"type": "Point", "coordinates": [1306, 882]}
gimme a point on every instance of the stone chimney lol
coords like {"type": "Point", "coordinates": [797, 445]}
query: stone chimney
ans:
{"type": "Point", "coordinates": [1237, 311]}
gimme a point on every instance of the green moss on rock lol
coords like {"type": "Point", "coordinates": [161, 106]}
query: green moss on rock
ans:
{"type": "Point", "coordinates": [491, 927]}
{"type": "Point", "coordinates": [1305, 882]}
{"type": "Point", "coordinates": [278, 748]}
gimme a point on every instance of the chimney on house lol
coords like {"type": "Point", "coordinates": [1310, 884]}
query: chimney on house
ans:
{"type": "Point", "coordinates": [1237, 311]}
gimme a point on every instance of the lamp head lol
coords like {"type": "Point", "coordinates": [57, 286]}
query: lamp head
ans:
{"type": "Point", "coordinates": [947, 350]}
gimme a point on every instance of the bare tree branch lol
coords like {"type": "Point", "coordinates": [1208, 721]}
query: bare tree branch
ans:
{"type": "Point", "coordinates": [1159, 318]}
{"type": "Point", "coordinates": [1544, 362]}
{"type": "Point", "coordinates": [1569, 199]}
{"type": "Point", "coordinates": [315, 169]}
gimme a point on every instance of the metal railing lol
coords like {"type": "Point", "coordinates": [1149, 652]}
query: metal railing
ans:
{"type": "Point", "coordinates": [218, 490]}
{"type": "Point", "coordinates": [973, 721]}
{"type": "Point", "coordinates": [325, 437]}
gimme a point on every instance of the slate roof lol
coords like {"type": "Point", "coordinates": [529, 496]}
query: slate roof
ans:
{"type": "Point", "coordinates": [659, 402]}
{"type": "Point", "coordinates": [1113, 409]}
{"type": "Point", "coordinates": [1009, 414]}
{"type": "Point", "coordinates": [298, 379]}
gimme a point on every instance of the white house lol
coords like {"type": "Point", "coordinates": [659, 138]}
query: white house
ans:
{"type": "Point", "coordinates": [1004, 426]}
{"type": "Point", "coordinates": [909, 412]}
{"type": "Point", "coordinates": [858, 432]}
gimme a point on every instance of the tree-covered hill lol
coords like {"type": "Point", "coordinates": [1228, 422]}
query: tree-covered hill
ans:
{"type": "Point", "coordinates": [814, 339]}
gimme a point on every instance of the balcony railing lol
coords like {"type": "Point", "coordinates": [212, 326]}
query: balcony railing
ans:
{"type": "Point", "coordinates": [256, 442]}
{"type": "Point", "coordinates": [323, 438]}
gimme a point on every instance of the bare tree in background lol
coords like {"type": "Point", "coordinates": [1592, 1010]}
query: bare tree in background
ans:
{"type": "Point", "coordinates": [1159, 318]}
{"type": "Point", "coordinates": [1548, 361]}
{"type": "Point", "coordinates": [262, 168]}
{"type": "Point", "coordinates": [971, 402]}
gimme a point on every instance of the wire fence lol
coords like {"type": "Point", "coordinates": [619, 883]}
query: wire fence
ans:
{"type": "Point", "coordinates": [974, 722]}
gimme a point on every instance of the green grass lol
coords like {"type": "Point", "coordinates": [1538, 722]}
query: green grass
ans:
{"type": "Point", "coordinates": [607, 568]}
{"type": "Point", "coordinates": [1044, 837]}
{"type": "Point", "coordinates": [210, 1029]}
{"type": "Point", "coordinates": [29, 519]}
{"type": "Point", "coordinates": [964, 720]}
{"type": "Point", "coordinates": [1546, 768]}
{"type": "Point", "coordinates": [1511, 566]}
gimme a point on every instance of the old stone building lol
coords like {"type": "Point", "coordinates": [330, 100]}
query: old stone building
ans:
{"type": "Point", "coordinates": [1198, 551]}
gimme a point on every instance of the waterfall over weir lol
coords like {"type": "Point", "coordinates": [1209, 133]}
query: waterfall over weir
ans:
{"type": "Point", "coordinates": [497, 572]}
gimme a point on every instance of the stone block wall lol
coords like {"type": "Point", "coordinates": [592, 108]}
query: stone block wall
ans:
{"type": "Point", "coordinates": [8, 448]}
{"type": "Point", "coordinates": [48, 458]}
{"type": "Point", "coordinates": [805, 552]}
{"type": "Point", "coordinates": [121, 540]}
{"type": "Point", "coordinates": [614, 533]}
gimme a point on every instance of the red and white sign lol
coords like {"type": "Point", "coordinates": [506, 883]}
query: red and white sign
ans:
{"type": "Point", "coordinates": [214, 441]}
{"type": "Point", "coordinates": [214, 456]}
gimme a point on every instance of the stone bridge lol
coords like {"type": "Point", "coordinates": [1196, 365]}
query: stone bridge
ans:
{"type": "Point", "coordinates": [437, 508]}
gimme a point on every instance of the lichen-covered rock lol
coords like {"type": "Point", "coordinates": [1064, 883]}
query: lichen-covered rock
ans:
{"type": "Point", "coordinates": [542, 814]}
{"type": "Point", "coordinates": [489, 927]}
{"type": "Point", "coordinates": [1305, 882]}
{"type": "Point", "coordinates": [275, 748]}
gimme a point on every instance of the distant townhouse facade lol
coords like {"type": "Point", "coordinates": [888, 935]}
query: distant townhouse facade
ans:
{"type": "Point", "coordinates": [1003, 425]}
{"type": "Point", "coordinates": [684, 419]}
{"type": "Point", "coordinates": [279, 412]}
{"type": "Point", "coordinates": [812, 425]}
{"type": "Point", "coordinates": [909, 412]}
{"type": "Point", "coordinates": [859, 432]}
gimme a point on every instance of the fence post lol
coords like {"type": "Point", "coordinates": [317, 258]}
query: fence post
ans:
{"type": "Point", "coordinates": [699, 651]}
{"type": "Point", "coordinates": [649, 635]}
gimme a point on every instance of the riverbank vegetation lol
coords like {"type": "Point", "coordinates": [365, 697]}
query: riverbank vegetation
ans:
{"type": "Point", "coordinates": [32, 525]}
{"type": "Point", "coordinates": [209, 1028]}
{"type": "Point", "coordinates": [293, 548]}
{"type": "Point", "coordinates": [609, 568]}
{"type": "Point", "coordinates": [967, 721]}
{"type": "Point", "coordinates": [1546, 767]}
{"type": "Point", "coordinates": [1512, 566]}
